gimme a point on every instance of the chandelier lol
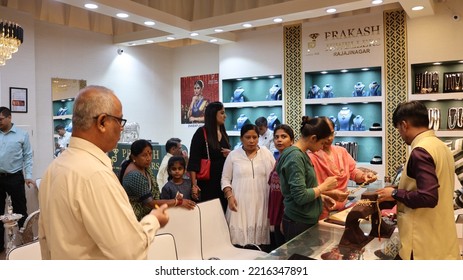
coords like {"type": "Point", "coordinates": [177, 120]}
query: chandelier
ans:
{"type": "Point", "coordinates": [11, 37]}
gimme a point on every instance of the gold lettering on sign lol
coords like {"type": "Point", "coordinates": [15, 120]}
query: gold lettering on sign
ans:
{"type": "Point", "coordinates": [156, 154]}
{"type": "Point", "coordinates": [352, 33]}
{"type": "Point", "coordinates": [125, 153]}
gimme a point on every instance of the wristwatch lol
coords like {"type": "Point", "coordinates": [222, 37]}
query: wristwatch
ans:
{"type": "Point", "coordinates": [394, 193]}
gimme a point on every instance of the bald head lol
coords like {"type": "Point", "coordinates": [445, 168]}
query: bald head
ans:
{"type": "Point", "coordinates": [95, 114]}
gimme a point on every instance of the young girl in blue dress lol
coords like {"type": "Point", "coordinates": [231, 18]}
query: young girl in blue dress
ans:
{"type": "Point", "coordinates": [177, 186]}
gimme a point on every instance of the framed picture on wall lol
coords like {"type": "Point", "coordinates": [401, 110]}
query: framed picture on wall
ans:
{"type": "Point", "coordinates": [196, 92]}
{"type": "Point", "coordinates": [18, 100]}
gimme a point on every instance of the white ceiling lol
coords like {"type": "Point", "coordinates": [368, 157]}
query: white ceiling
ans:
{"type": "Point", "coordinates": [179, 18]}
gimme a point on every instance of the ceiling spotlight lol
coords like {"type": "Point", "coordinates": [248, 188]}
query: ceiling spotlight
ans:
{"type": "Point", "coordinates": [324, 72]}
{"type": "Point", "coordinates": [149, 41]}
{"type": "Point", "coordinates": [247, 25]}
{"type": "Point", "coordinates": [213, 40]}
{"type": "Point", "coordinates": [271, 76]}
{"type": "Point", "coordinates": [331, 10]}
{"type": "Point", "coordinates": [194, 34]}
{"type": "Point", "coordinates": [277, 20]}
{"type": "Point", "coordinates": [122, 15]}
{"type": "Point", "coordinates": [344, 71]}
{"type": "Point", "coordinates": [91, 6]}
{"type": "Point", "coordinates": [170, 38]}
{"type": "Point", "coordinates": [417, 8]}
{"type": "Point", "coordinates": [149, 23]}
{"type": "Point", "coordinates": [376, 2]}
{"type": "Point", "coordinates": [218, 30]}
{"type": "Point", "coordinates": [437, 63]}
{"type": "Point", "coordinates": [365, 69]}
{"type": "Point", "coordinates": [254, 78]}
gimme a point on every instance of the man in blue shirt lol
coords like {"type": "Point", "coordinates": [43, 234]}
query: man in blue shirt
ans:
{"type": "Point", "coordinates": [15, 156]}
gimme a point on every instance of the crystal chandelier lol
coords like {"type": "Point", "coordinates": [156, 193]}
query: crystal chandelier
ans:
{"type": "Point", "coordinates": [11, 37]}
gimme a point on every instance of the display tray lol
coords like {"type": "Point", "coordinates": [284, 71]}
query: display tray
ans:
{"type": "Point", "coordinates": [322, 242]}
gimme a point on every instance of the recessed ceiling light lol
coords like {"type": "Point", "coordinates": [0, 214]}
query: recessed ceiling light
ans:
{"type": "Point", "coordinates": [437, 63]}
{"type": "Point", "coordinates": [218, 30]}
{"type": "Point", "coordinates": [122, 15]}
{"type": "Point", "coordinates": [365, 69]}
{"type": "Point", "coordinates": [170, 38]}
{"type": "Point", "coordinates": [376, 2]}
{"type": "Point", "coordinates": [213, 40]}
{"type": "Point", "coordinates": [91, 6]}
{"type": "Point", "coordinates": [254, 78]}
{"type": "Point", "coordinates": [149, 41]}
{"type": "Point", "coordinates": [239, 79]}
{"type": "Point", "coordinates": [461, 61]}
{"type": "Point", "coordinates": [247, 25]}
{"type": "Point", "coordinates": [194, 34]}
{"type": "Point", "coordinates": [344, 70]}
{"type": "Point", "coordinates": [271, 77]}
{"type": "Point", "coordinates": [276, 20]}
{"type": "Point", "coordinates": [324, 72]}
{"type": "Point", "coordinates": [417, 8]}
{"type": "Point", "coordinates": [149, 23]}
{"type": "Point", "coordinates": [331, 10]}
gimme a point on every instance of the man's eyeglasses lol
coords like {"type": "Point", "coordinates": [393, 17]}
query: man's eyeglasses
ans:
{"type": "Point", "coordinates": [121, 121]}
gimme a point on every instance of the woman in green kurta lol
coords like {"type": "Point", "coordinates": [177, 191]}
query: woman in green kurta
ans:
{"type": "Point", "coordinates": [298, 182]}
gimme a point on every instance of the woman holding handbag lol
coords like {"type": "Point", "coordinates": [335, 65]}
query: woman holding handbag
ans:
{"type": "Point", "coordinates": [209, 142]}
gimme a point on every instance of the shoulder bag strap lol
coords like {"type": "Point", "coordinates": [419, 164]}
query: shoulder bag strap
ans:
{"type": "Point", "coordinates": [207, 146]}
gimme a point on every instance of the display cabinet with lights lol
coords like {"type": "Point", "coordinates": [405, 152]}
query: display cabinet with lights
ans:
{"type": "Point", "coordinates": [439, 86]}
{"type": "Point", "coordinates": [353, 100]}
{"type": "Point", "coordinates": [248, 98]}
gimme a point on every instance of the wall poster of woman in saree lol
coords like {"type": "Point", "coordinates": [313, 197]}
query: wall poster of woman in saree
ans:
{"type": "Point", "coordinates": [196, 93]}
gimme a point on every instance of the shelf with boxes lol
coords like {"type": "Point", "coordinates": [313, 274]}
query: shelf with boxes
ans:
{"type": "Point", "coordinates": [352, 99]}
{"type": "Point", "coordinates": [439, 85]}
{"type": "Point", "coordinates": [246, 99]}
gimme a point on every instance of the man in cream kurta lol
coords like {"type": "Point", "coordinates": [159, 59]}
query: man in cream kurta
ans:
{"type": "Point", "coordinates": [85, 212]}
{"type": "Point", "coordinates": [425, 216]}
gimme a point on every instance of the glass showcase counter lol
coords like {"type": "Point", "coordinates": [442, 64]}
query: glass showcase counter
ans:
{"type": "Point", "coordinates": [322, 242]}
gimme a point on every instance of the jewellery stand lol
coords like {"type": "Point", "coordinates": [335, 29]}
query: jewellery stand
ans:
{"type": "Point", "coordinates": [328, 91]}
{"type": "Point", "coordinates": [314, 92]}
{"type": "Point", "coordinates": [238, 95]}
{"type": "Point", "coordinates": [375, 89]}
{"type": "Point", "coordinates": [242, 120]}
{"type": "Point", "coordinates": [272, 121]}
{"type": "Point", "coordinates": [344, 117]}
{"type": "Point", "coordinates": [275, 93]}
{"type": "Point", "coordinates": [368, 206]}
{"type": "Point", "coordinates": [358, 89]}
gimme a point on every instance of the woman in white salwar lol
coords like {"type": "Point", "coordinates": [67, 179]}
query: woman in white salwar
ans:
{"type": "Point", "coordinates": [245, 186]}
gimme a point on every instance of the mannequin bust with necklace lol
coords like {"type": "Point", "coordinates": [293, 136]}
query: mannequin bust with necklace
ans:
{"type": "Point", "coordinates": [359, 89]}
{"type": "Point", "coordinates": [358, 123]}
{"type": "Point", "coordinates": [344, 116]}
{"type": "Point", "coordinates": [242, 120]}
{"type": "Point", "coordinates": [328, 91]}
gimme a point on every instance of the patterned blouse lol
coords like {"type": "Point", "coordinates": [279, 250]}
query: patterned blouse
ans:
{"type": "Point", "coordinates": [139, 188]}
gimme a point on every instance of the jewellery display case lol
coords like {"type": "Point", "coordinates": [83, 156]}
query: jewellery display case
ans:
{"type": "Point", "coordinates": [248, 98]}
{"type": "Point", "coordinates": [355, 106]}
{"type": "Point", "coordinates": [62, 112]}
{"type": "Point", "coordinates": [439, 85]}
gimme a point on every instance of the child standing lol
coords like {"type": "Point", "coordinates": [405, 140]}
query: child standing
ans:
{"type": "Point", "coordinates": [176, 167]}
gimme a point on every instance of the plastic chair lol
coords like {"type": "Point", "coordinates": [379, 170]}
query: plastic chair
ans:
{"type": "Point", "coordinates": [30, 251]}
{"type": "Point", "coordinates": [184, 226]}
{"type": "Point", "coordinates": [215, 235]}
{"type": "Point", "coordinates": [163, 248]}
{"type": "Point", "coordinates": [26, 232]}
